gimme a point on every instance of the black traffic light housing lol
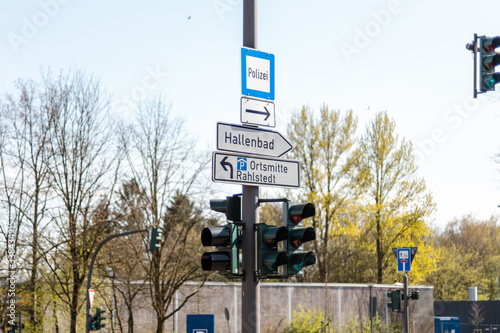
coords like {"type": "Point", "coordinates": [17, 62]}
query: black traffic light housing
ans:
{"type": "Point", "coordinates": [13, 327]}
{"type": "Point", "coordinates": [226, 239]}
{"type": "Point", "coordinates": [485, 60]}
{"type": "Point", "coordinates": [231, 207]}
{"type": "Point", "coordinates": [269, 256]}
{"type": "Point", "coordinates": [96, 321]}
{"type": "Point", "coordinates": [489, 59]}
{"type": "Point", "coordinates": [93, 322]}
{"type": "Point", "coordinates": [395, 300]}
{"type": "Point", "coordinates": [293, 216]}
{"type": "Point", "coordinates": [100, 318]}
{"type": "Point", "coordinates": [415, 295]}
{"type": "Point", "coordinates": [154, 239]}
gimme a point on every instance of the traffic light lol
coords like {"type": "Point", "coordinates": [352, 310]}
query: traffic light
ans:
{"type": "Point", "coordinates": [226, 238]}
{"type": "Point", "coordinates": [395, 300]}
{"type": "Point", "coordinates": [154, 239]}
{"type": "Point", "coordinates": [269, 257]}
{"type": "Point", "coordinates": [488, 59]}
{"type": "Point", "coordinates": [293, 215]}
{"type": "Point", "coordinates": [99, 319]}
{"type": "Point", "coordinates": [231, 206]}
{"type": "Point", "coordinates": [13, 327]}
{"type": "Point", "coordinates": [93, 322]}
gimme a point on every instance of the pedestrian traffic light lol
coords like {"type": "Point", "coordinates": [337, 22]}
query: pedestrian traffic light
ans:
{"type": "Point", "coordinates": [226, 239]}
{"type": "Point", "coordinates": [293, 216]}
{"type": "Point", "coordinates": [154, 239]}
{"type": "Point", "coordinates": [100, 319]}
{"type": "Point", "coordinates": [415, 295]}
{"type": "Point", "coordinates": [231, 206]}
{"type": "Point", "coordinates": [395, 300]}
{"type": "Point", "coordinates": [93, 322]}
{"type": "Point", "coordinates": [269, 256]}
{"type": "Point", "coordinates": [489, 59]}
{"type": "Point", "coordinates": [13, 327]}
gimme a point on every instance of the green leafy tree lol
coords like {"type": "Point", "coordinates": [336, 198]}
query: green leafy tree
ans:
{"type": "Point", "coordinates": [306, 321]}
{"type": "Point", "coordinates": [324, 147]}
{"type": "Point", "coordinates": [469, 257]}
{"type": "Point", "coordinates": [395, 201]}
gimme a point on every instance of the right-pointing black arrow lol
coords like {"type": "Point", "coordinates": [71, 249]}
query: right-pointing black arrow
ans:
{"type": "Point", "coordinates": [224, 163]}
{"type": "Point", "coordinates": [267, 113]}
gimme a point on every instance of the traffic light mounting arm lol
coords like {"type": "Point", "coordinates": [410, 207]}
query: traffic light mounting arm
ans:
{"type": "Point", "coordinates": [91, 267]}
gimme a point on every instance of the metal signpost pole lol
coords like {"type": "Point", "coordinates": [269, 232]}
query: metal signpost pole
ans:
{"type": "Point", "coordinates": [250, 300]}
{"type": "Point", "coordinates": [405, 297]}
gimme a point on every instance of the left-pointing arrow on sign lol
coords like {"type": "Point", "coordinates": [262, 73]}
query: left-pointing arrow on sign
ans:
{"type": "Point", "coordinates": [224, 163]}
{"type": "Point", "coordinates": [255, 170]}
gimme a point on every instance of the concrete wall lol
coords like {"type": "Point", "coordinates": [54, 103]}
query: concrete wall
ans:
{"type": "Point", "coordinates": [341, 303]}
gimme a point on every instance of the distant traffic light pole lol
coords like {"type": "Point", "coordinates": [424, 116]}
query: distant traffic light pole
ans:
{"type": "Point", "coordinates": [404, 258]}
{"type": "Point", "coordinates": [473, 47]}
{"type": "Point", "coordinates": [250, 300]}
{"type": "Point", "coordinates": [91, 268]}
{"type": "Point", "coordinates": [405, 299]}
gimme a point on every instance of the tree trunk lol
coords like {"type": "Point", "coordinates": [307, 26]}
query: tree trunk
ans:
{"type": "Point", "coordinates": [74, 306]}
{"type": "Point", "coordinates": [130, 319]}
{"type": "Point", "coordinates": [161, 323]}
{"type": "Point", "coordinates": [380, 257]}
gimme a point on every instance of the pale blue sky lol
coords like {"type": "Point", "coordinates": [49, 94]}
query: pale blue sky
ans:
{"type": "Point", "coordinates": [407, 57]}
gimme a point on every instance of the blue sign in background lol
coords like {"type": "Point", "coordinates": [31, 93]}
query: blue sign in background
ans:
{"type": "Point", "coordinates": [404, 260]}
{"type": "Point", "coordinates": [200, 323]}
{"type": "Point", "coordinates": [244, 86]}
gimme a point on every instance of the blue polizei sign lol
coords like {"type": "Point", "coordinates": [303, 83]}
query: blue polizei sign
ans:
{"type": "Point", "coordinates": [404, 259]}
{"type": "Point", "coordinates": [257, 74]}
{"type": "Point", "coordinates": [200, 323]}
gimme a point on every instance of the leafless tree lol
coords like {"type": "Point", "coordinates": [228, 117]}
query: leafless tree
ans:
{"type": "Point", "coordinates": [476, 314]}
{"type": "Point", "coordinates": [80, 164]}
{"type": "Point", "coordinates": [163, 160]}
{"type": "Point", "coordinates": [126, 257]}
{"type": "Point", "coordinates": [27, 118]}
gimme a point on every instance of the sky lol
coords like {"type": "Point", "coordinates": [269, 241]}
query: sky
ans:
{"type": "Point", "coordinates": [406, 57]}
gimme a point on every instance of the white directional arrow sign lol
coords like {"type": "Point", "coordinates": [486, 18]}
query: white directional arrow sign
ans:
{"type": "Point", "coordinates": [253, 170]}
{"type": "Point", "coordinates": [257, 112]}
{"type": "Point", "coordinates": [250, 140]}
